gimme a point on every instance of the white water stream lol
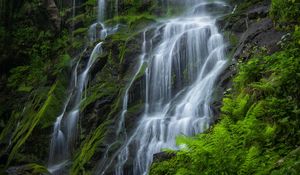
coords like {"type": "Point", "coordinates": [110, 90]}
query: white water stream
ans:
{"type": "Point", "coordinates": [180, 80]}
{"type": "Point", "coordinates": [65, 128]}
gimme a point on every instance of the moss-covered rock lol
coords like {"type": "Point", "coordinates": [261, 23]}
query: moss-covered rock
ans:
{"type": "Point", "coordinates": [29, 169]}
{"type": "Point", "coordinates": [83, 160]}
{"type": "Point", "coordinates": [29, 119]}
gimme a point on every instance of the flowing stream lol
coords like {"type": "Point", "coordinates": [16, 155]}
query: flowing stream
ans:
{"type": "Point", "coordinates": [65, 128]}
{"type": "Point", "coordinates": [180, 80]}
{"type": "Point", "coordinates": [180, 75]}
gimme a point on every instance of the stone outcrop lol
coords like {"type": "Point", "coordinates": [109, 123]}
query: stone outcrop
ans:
{"type": "Point", "coordinates": [253, 29]}
{"type": "Point", "coordinates": [53, 13]}
{"type": "Point", "coordinates": [248, 31]}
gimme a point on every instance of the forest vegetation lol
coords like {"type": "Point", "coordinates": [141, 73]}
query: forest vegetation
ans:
{"type": "Point", "coordinates": [256, 127]}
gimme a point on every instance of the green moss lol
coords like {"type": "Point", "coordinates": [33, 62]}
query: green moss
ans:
{"type": "Point", "coordinates": [133, 110]}
{"type": "Point", "coordinates": [46, 113]}
{"type": "Point", "coordinates": [233, 39]}
{"type": "Point", "coordinates": [83, 19]}
{"type": "Point", "coordinates": [32, 169]}
{"type": "Point", "coordinates": [97, 92]}
{"type": "Point", "coordinates": [88, 149]}
{"type": "Point", "coordinates": [287, 11]}
{"type": "Point", "coordinates": [289, 164]}
{"type": "Point", "coordinates": [116, 106]}
{"type": "Point", "coordinates": [91, 2]}
{"type": "Point", "coordinates": [135, 22]}
{"type": "Point", "coordinates": [141, 73]}
{"type": "Point", "coordinates": [76, 19]}
{"type": "Point", "coordinates": [77, 44]}
{"type": "Point", "coordinates": [80, 31]}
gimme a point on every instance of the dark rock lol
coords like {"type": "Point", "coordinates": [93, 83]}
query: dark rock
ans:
{"type": "Point", "coordinates": [239, 26]}
{"type": "Point", "coordinates": [259, 34]}
{"type": "Point", "coordinates": [254, 30]}
{"type": "Point", "coordinates": [236, 23]}
{"type": "Point", "coordinates": [239, 22]}
{"type": "Point", "coordinates": [98, 66]}
{"type": "Point", "coordinates": [213, 8]}
{"type": "Point", "coordinates": [162, 156]}
{"type": "Point", "coordinates": [29, 169]}
{"type": "Point", "coordinates": [53, 13]}
{"type": "Point", "coordinates": [3, 157]}
{"type": "Point", "coordinates": [258, 12]}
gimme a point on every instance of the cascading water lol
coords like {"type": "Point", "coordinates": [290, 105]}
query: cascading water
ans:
{"type": "Point", "coordinates": [98, 30]}
{"type": "Point", "coordinates": [180, 79]}
{"type": "Point", "coordinates": [101, 10]}
{"type": "Point", "coordinates": [65, 127]}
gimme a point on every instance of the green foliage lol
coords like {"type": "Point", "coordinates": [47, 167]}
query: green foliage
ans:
{"type": "Point", "coordinates": [136, 6]}
{"type": "Point", "coordinates": [290, 164]}
{"type": "Point", "coordinates": [29, 118]}
{"type": "Point", "coordinates": [88, 149]}
{"type": "Point", "coordinates": [259, 129]}
{"type": "Point", "coordinates": [39, 58]}
{"type": "Point", "coordinates": [135, 22]}
{"type": "Point", "coordinates": [91, 2]}
{"type": "Point", "coordinates": [285, 10]}
{"type": "Point", "coordinates": [243, 5]}
{"type": "Point", "coordinates": [80, 31]}
{"type": "Point", "coordinates": [97, 92]}
{"type": "Point", "coordinates": [33, 169]}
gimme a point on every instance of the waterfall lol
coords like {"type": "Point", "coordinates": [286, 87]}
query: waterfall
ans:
{"type": "Point", "coordinates": [101, 10]}
{"type": "Point", "coordinates": [98, 30]}
{"type": "Point", "coordinates": [65, 127]}
{"type": "Point", "coordinates": [121, 130]}
{"type": "Point", "coordinates": [180, 80]}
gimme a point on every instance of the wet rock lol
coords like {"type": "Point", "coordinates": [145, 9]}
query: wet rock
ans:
{"type": "Point", "coordinates": [239, 22]}
{"type": "Point", "coordinates": [162, 156]}
{"type": "Point", "coordinates": [259, 34]}
{"type": "Point", "coordinates": [213, 8]}
{"type": "Point", "coordinates": [254, 30]}
{"type": "Point", "coordinates": [29, 169]}
{"type": "Point", "coordinates": [258, 12]}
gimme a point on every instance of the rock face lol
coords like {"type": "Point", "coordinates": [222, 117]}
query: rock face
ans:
{"type": "Point", "coordinates": [248, 31]}
{"type": "Point", "coordinates": [53, 13]}
{"type": "Point", "coordinates": [259, 34]}
{"type": "Point", "coordinates": [162, 156]}
{"type": "Point", "coordinates": [253, 29]}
